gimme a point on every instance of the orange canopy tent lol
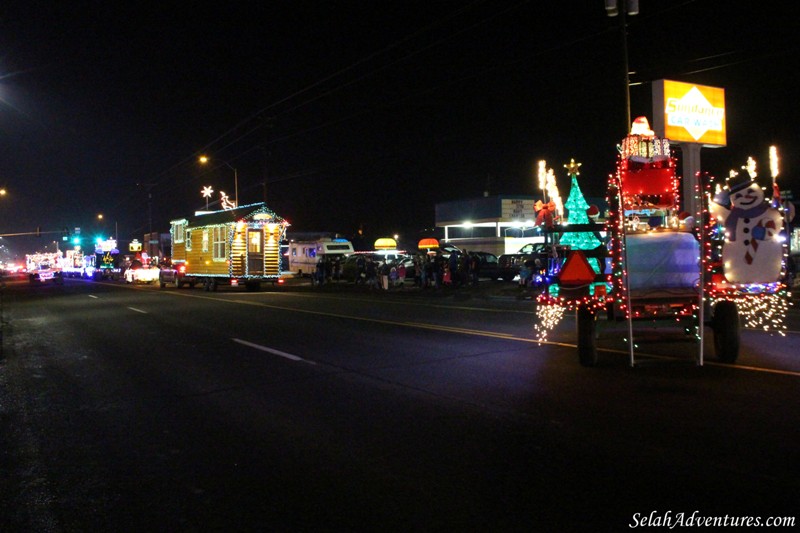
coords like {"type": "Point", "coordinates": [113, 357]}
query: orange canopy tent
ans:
{"type": "Point", "coordinates": [428, 244]}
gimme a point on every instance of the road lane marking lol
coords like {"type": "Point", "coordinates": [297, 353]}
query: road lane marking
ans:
{"type": "Point", "coordinates": [416, 325]}
{"type": "Point", "coordinates": [273, 351]}
{"type": "Point", "coordinates": [92, 296]}
{"type": "Point", "coordinates": [138, 310]}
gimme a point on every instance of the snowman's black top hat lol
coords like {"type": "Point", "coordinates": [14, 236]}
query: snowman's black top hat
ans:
{"type": "Point", "coordinates": [740, 182]}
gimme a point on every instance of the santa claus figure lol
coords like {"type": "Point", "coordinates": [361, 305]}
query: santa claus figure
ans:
{"type": "Point", "coordinates": [753, 251]}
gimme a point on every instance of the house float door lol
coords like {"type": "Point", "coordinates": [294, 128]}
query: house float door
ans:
{"type": "Point", "coordinates": [255, 252]}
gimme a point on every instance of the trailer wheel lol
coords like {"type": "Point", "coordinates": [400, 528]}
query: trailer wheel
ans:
{"type": "Point", "coordinates": [725, 325]}
{"type": "Point", "coordinates": [586, 326]}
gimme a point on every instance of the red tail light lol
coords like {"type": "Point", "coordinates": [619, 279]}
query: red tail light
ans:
{"type": "Point", "coordinates": [182, 269]}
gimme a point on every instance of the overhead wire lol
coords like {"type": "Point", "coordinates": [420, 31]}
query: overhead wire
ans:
{"type": "Point", "coordinates": [346, 84]}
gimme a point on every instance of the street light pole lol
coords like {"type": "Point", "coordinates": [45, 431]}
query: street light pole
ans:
{"type": "Point", "coordinates": [235, 184]}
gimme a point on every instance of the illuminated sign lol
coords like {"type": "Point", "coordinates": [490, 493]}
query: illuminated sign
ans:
{"type": "Point", "coordinates": [689, 113]}
{"type": "Point", "coordinates": [106, 246]}
{"type": "Point", "coordinates": [516, 209]}
{"type": "Point", "coordinates": [135, 246]}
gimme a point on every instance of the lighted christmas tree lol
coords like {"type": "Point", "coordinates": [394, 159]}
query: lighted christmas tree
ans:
{"type": "Point", "coordinates": [576, 206]}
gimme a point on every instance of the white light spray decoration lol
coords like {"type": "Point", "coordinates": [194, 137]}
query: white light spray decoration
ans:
{"type": "Point", "coordinates": [542, 174]}
{"type": "Point", "coordinates": [773, 161]}
{"type": "Point", "coordinates": [750, 167]}
{"type": "Point", "coordinates": [552, 190]}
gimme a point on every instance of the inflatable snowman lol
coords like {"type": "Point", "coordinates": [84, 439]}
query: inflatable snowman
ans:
{"type": "Point", "coordinates": [753, 251]}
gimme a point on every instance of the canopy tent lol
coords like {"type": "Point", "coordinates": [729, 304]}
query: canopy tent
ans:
{"type": "Point", "coordinates": [428, 244]}
{"type": "Point", "coordinates": [385, 243]}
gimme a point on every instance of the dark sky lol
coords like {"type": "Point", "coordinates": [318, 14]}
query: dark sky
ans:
{"type": "Point", "coordinates": [356, 113]}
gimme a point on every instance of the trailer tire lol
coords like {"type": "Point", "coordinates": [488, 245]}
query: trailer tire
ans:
{"type": "Point", "coordinates": [586, 328]}
{"type": "Point", "coordinates": [725, 325]}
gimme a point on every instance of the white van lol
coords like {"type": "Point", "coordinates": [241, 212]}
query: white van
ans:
{"type": "Point", "coordinates": [303, 256]}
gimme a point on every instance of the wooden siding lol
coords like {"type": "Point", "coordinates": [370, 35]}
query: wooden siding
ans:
{"type": "Point", "coordinates": [199, 262]}
{"type": "Point", "coordinates": [238, 251]}
{"type": "Point", "coordinates": [178, 251]}
{"type": "Point", "coordinates": [272, 250]}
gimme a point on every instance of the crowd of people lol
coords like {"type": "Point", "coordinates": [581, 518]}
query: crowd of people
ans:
{"type": "Point", "coordinates": [422, 270]}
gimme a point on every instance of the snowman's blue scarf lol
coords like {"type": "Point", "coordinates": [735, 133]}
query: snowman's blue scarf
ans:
{"type": "Point", "coordinates": [737, 213]}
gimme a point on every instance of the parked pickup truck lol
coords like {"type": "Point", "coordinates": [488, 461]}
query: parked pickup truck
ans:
{"type": "Point", "coordinates": [509, 265]}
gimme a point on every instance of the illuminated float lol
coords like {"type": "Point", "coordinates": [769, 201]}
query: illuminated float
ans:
{"type": "Point", "coordinates": [234, 246]}
{"type": "Point", "coordinates": [706, 268]}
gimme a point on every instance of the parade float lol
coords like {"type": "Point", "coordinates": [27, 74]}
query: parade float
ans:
{"type": "Point", "coordinates": [233, 246]}
{"type": "Point", "coordinates": [714, 268]}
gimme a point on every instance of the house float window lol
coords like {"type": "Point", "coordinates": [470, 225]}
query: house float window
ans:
{"type": "Point", "coordinates": [177, 231]}
{"type": "Point", "coordinates": [220, 238]}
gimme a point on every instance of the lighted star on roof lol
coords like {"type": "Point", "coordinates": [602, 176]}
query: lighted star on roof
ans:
{"type": "Point", "coordinates": [207, 192]}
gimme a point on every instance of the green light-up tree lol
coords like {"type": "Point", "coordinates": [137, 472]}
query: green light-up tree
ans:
{"type": "Point", "coordinates": [576, 206]}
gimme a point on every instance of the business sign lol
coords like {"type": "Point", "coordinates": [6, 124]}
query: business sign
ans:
{"type": "Point", "coordinates": [517, 209]}
{"type": "Point", "coordinates": [689, 113]}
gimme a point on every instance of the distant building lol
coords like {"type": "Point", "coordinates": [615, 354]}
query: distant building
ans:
{"type": "Point", "coordinates": [157, 244]}
{"type": "Point", "coordinates": [494, 224]}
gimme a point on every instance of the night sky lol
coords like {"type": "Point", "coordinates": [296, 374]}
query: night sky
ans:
{"type": "Point", "coordinates": [356, 114]}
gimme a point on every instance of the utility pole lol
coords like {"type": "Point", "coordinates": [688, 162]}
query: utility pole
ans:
{"type": "Point", "coordinates": [629, 8]}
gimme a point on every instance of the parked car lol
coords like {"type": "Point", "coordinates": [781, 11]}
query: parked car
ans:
{"type": "Point", "coordinates": [509, 265]}
{"type": "Point", "coordinates": [350, 268]}
{"type": "Point", "coordinates": [488, 265]}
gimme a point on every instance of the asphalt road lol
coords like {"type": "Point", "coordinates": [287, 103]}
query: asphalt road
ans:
{"type": "Point", "coordinates": [128, 408]}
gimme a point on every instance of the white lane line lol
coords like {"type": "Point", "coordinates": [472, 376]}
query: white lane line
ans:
{"type": "Point", "coordinates": [138, 310]}
{"type": "Point", "coordinates": [274, 351]}
{"type": "Point", "coordinates": [92, 296]}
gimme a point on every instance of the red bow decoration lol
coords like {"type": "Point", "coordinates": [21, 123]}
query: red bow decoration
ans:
{"type": "Point", "coordinates": [545, 213]}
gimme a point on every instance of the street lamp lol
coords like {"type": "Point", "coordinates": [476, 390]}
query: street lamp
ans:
{"type": "Point", "coordinates": [116, 228]}
{"type": "Point", "coordinates": [204, 160]}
